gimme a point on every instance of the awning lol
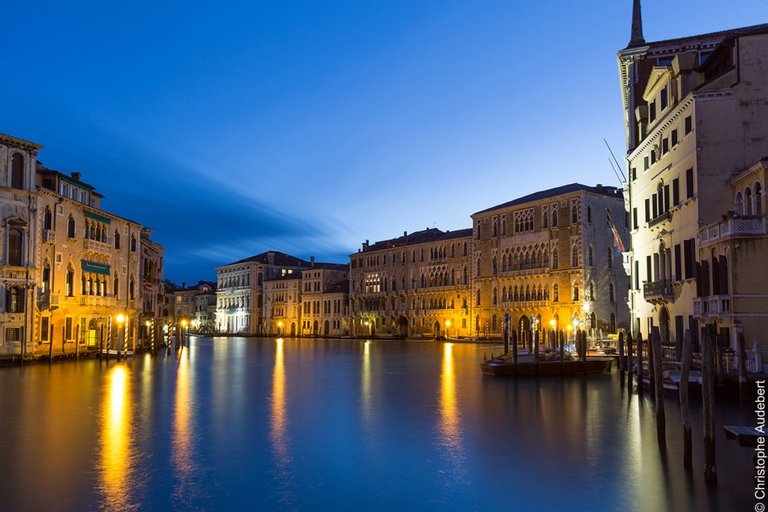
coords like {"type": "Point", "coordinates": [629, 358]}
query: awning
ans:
{"type": "Point", "coordinates": [95, 268]}
{"type": "Point", "coordinates": [96, 216]}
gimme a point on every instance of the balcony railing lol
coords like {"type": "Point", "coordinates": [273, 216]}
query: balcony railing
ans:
{"type": "Point", "coordinates": [47, 300]}
{"type": "Point", "coordinates": [49, 236]}
{"type": "Point", "coordinates": [713, 306]}
{"type": "Point", "coordinates": [732, 228]}
{"type": "Point", "coordinates": [96, 246]}
{"type": "Point", "coordinates": [97, 300]}
{"type": "Point", "coordinates": [658, 291]}
{"type": "Point", "coordinates": [667, 215]}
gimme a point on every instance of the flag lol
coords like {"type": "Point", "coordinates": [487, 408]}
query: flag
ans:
{"type": "Point", "coordinates": [617, 242]}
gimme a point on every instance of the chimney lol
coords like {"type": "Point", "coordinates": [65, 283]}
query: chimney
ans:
{"type": "Point", "coordinates": [75, 175]}
{"type": "Point", "coordinates": [405, 234]}
{"type": "Point", "coordinates": [599, 188]}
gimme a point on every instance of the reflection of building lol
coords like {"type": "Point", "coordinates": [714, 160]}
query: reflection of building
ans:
{"type": "Point", "coordinates": [550, 256]}
{"type": "Point", "coordinates": [413, 284]}
{"type": "Point", "coordinates": [695, 128]}
{"type": "Point", "coordinates": [240, 288]}
{"type": "Point", "coordinates": [81, 261]}
{"type": "Point", "coordinates": [325, 298]}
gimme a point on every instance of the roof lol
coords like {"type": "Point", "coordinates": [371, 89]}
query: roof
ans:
{"type": "Point", "coordinates": [419, 237]}
{"type": "Point", "coordinates": [329, 266]}
{"type": "Point", "coordinates": [557, 191]}
{"type": "Point", "coordinates": [278, 258]}
{"type": "Point", "coordinates": [734, 32]}
{"type": "Point", "coordinates": [19, 142]}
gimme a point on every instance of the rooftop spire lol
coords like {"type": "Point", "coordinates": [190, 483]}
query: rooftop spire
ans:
{"type": "Point", "coordinates": [637, 26]}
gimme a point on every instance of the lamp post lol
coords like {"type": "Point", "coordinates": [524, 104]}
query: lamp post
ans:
{"type": "Point", "coordinates": [184, 328]}
{"type": "Point", "coordinates": [120, 318]}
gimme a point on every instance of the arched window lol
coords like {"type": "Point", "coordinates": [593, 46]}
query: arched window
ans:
{"type": "Point", "coordinates": [15, 246]}
{"type": "Point", "coordinates": [47, 219]}
{"type": "Point", "coordinates": [611, 292]}
{"type": "Point", "coordinates": [477, 302]}
{"type": "Point", "coordinates": [70, 282]}
{"type": "Point", "coordinates": [748, 201]}
{"type": "Point", "coordinates": [574, 257]}
{"type": "Point", "coordinates": [131, 289]}
{"type": "Point", "coordinates": [589, 214]}
{"type": "Point", "coordinates": [575, 292]}
{"type": "Point", "coordinates": [117, 240]}
{"type": "Point", "coordinates": [738, 204]}
{"type": "Point", "coordinates": [116, 286]}
{"type": "Point", "coordinates": [516, 295]}
{"type": "Point", "coordinates": [758, 199]}
{"type": "Point", "coordinates": [574, 214]}
{"type": "Point", "coordinates": [504, 294]}
{"type": "Point", "coordinates": [555, 258]}
{"type": "Point", "coordinates": [494, 323]}
{"type": "Point", "coordinates": [17, 171]}
{"type": "Point", "coordinates": [495, 297]}
{"type": "Point", "coordinates": [14, 299]}
{"type": "Point", "coordinates": [590, 256]}
{"type": "Point", "coordinates": [71, 227]}
{"type": "Point", "coordinates": [555, 293]}
{"type": "Point", "coordinates": [46, 285]}
{"type": "Point", "coordinates": [494, 265]}
{"type": "Point", "coordinates": [554, 216]}
{"type": "Point", "coordinates": [591, 291]}
{"type": "Point", "coordinates": [133, 243]}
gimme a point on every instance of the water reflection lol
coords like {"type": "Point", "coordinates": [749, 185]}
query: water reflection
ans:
{"type": "Point", "coordinates": [278, 432]}
{"type": "Point", "coordinates": [449, 427]}
{"type": "Point", "coordinates": [116, 471]}
{"type": "Point", "coordinates": [365, 384]}
{"type": "Point", "coordinates": [182, 431]}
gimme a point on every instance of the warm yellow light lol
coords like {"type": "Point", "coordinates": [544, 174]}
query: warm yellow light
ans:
{"type": "Point", "coordinates": [553, 323]}
{"type": "Point", "coordinates": [147, 323]}
{"type": "Point", "coordinates": [280, 324]}
{"type": "Point", "coordinates": [183, 323]}
{"type": "Point", "coordinates": [447, 323]}
{"type": "Point", "coordinates": [366, 322]}
{"type": "Point", "coordinates": [570, 327]}
{"type": "Point", "coordinates": [120, 318]}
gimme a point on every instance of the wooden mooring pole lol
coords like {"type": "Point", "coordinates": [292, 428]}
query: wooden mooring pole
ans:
{"type": "Point", "coordinates": [640, 364]}
{"type": "Point", "coordinates": [658, 381]}
{"type": "Point", "coordinates": [629, 361]}
{"type": "Point", "coordinates": [622, 361]}
{"type": "Point", "coordinates": [743, 388]}
{"type": "Point", "coordinates": [651, 366]}
{"type": "Point", "coordinates": [708, 403]}
{"type": "Point", "coordinates": [685, 371]}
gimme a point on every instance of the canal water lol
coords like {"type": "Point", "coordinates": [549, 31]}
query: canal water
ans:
{"type": "Point", "coordinates": [265, 424]}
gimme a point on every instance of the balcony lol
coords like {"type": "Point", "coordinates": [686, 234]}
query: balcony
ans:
{"type": "Point", "coordinates": [658, 292]}
{"type": "Point", "coordinates": [664, 216]}
{"type": "Point", "coordinates": [97, 247]}
{"type": "Point", "coordinates": [97, 301]}
{"type": "Point", "coordinates": [714, 306]}
{"type": "Point", "coordinates": [49, 236]}
{"type": "Point", "coordinates": [732, 227]}
{"type": "Point", "coordinates": [47, 300]}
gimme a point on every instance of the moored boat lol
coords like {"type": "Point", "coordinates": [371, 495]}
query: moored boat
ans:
{"type": "Point", "coordinates": [505, 366]}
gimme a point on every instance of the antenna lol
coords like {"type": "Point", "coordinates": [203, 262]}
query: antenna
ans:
{"type": "Point", "coordinates": [614, 171]}
{"type": "Point", "coordinates": [623, 178]}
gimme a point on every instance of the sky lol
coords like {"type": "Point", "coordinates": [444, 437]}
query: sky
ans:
{"type": "Point", "coordinates": [236, 127]}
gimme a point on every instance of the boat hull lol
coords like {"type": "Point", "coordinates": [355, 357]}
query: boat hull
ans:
{"type": "Point", "coordinates": [507, 368]}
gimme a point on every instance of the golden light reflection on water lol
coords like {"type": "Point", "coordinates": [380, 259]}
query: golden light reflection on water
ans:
{"type": "Point", "coordinates": [115, 450]}
{"type": "Point", "coordinates": [449, 427]}
{"type": "Point", "coordinates": [182, 432]}
{"type": "Point", "coordinates": [366, 382]}
{"type": "Point", "coordinates": [278, 422]}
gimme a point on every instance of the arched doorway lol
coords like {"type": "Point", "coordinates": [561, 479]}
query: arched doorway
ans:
{"type": "Point", "coordinates": [524, 327]}
{"type": "Point", "coordinates": [664, 324]}
{"type": "Point", "coordinates": [293, 329]}
{"type": "Point", "coordinates": [402, 323]}
{"type": "Point", "coordinates": [93, 328]}
{"type": "Point", "coordinates": [436, 328]}
{"type": "Point", "coordinates": [327, 328]}
{"type": "Point", "coordinates": [315, 327]}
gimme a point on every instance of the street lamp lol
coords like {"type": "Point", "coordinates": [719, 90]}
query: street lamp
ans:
{"type": "Point", "coordinates": [280, 328]}
{"type": "Point", "coordinates": [447, 326]}
{"type": "Point", "coordinates": [184, 328]}
{"type": "Point", "coordinates": [120, 318]}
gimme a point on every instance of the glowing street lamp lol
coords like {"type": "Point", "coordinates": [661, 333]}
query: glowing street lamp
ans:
{"type": "Point", "coordinates": [447, 327]}
{"type": "Point", "coordinates": [280, 328]}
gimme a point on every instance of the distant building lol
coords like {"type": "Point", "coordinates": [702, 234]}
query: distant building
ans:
{"type": "Point", "coordinates": [240, 289]}
{"type": "Point", "coordinates": [282, 304]}
{"type": "Point", "coordinates": [696, 121]}
{"type": "Point", "coordinates": [551, 259]}
{"type": "Point", "coordinates": [205, 309]}
{"type": "Point", "coordinates": [153, 290]}
{"type": "Point", "coordinates": [416, 284]}
{"type": "Point", "coordinates": [325, 299]}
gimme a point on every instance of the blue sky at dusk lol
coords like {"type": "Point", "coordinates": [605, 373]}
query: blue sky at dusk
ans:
{"type": "Point", "coordinates": [307, 127]}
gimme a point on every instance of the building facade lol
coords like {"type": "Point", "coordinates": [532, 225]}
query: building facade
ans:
{"type": "Point", "coordinates": [282, 304]}
{"type": "Point", "coordinates": [551, 260]}
{"type": "Point", "coordinates": [240, 290]}
{"type": "Point", "coordinates": [695, 121]}
{"type": "Point", "coordinates": [414, 285]}
{"type": "Point", "coordinates": [71, 270]}
{"type": "Point", "coordinates": [152, 290]}
{"type": "Point", "coordinates": [325, 300]}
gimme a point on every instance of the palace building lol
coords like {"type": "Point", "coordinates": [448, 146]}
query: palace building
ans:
{"type": "Point", "coordinates": [551, 260]}
{"type": "Point", "coordinates": [417, 284]}
{"type": "Point", "coordinates": [73, 276]}
{"type": "Point", "coordinates": [696, 119]}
